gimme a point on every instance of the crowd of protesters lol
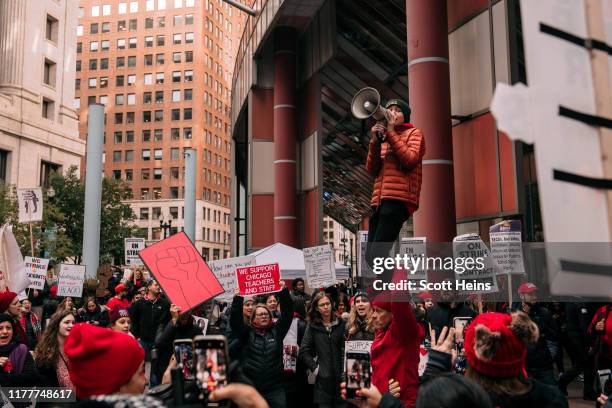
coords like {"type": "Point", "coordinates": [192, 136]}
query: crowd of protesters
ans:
{"type": "Point", "coordinates": [290, 346]}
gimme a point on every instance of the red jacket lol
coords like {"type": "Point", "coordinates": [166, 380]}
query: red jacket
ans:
{"type": "Point", "coordinates": [395, 353]}
{"type": "Point", "coordinates": [397, 166]}
{"type": "Point", "coordinates": [114, 303]}
{"type": "Point", "coordinates": [607, 333]}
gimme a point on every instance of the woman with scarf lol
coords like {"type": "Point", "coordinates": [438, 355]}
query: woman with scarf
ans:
{"type": "Point", "coordinates": [322, 350]}
{"type": "Point", "coordinates": [30, 324]}
{"type": "Point", "coordinates": [10, 305]}
{"type": "Point", "coordinates": [262, 346]}
{"type": "Point", "coordinates": [51, 360]}
{"type": "Point", "coordinates": [17, 368]}
{"type": "Point", "coordinates": [359, 326]}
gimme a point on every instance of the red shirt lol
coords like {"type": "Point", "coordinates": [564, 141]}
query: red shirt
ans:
{"type": "Point", "coordinates": [114, 302]}
{"type": "Point", "coordinates": [607, 333]}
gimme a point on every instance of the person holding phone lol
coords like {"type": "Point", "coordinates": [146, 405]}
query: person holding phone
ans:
{"type": "Point", "coordinates": [262, 345]}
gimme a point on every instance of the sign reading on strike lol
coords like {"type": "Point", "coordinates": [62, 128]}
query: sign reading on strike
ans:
{"type": "Point", "coordinates": [258, 279]}
{"type": "Point", "coordinates": [132, 247]}
{"type": "Point", "coordinates": [36, 269]}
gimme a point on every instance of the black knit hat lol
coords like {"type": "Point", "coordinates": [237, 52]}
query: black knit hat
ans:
{"type": "Point", "coordinates": [403, 105]}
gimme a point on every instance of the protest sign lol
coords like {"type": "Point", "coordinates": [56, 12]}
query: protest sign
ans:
{"type": "Point", "coordinates": [30, 204]}
{"type": "Point", "coordinates": [71, 278]}
{"type": "Point", "coordinates": [132, 247]}
{"type": "Point", "coordinates": [474, 266]}
{"type": "Point", "coordinates": [181, 272]}
{"type": "Point", "coordinates": [414, 248]}
{"type": "Point", "coordinates": [36, 269]}
{"type": "Point", "coordinates": [258, 279]}
{"type": "Point", "coordinates": [12, 268]}
{"type": "Point", "coordinates": [225, 271]}
{"type": "Point", "coordinates": [363, 269]}
{"type": "Point", "coordinates": [319, 264]}
{"type": "Point", "coordinates": [201, 322]}
{"type": "Point", "coordinates": [356, 346]}
{"type": "Point", "coordinates": [507, 248]}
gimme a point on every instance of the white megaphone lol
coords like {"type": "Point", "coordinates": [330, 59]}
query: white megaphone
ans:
{"type": "Point", "coordinates": [366, 103]}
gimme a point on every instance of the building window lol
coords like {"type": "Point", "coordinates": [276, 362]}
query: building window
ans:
{"type": "Point", "coordinates": [129, 136]}
{"type": "Point", "coordinates": [93, 64]}
{"type": "Point", "coordinates": [46, 171]}
{"type": "Point", "coordinates": [174, 173]}
{"type": "Point", "coordinates": [148, 42]}
{"type": "Point", "coordinates": [157, 174]}
{"type": "Point", "coordinates": [188, 94]}
{"type": "Point", "coordinates": [188, 19]}
{"type": "Point", "coordinates": [177, 20]}
{"type": "Point", "coordinates": [78, 65]}
{"type": "Point", "coordinates": [129, 174]}
{"type": "Point", "coordinates": [144, 194]}
{"type": "Point", "coordinates": [121, 25]}
{"type": "Point", "coordinates": [79, 30]}
{"type": "Point", "coordinates": [158, 135]}
{"type": "Point", "coordinates": [133, 42]}
{"type": "Point", "coordinates": [149, 5]}
{"type": "Point", "coordinates": [159, 115]}
{"type": "Point", "coordinates": [176, 114]}
{"type": "Point", "coordinates": [51, 28]}
{"type": "Point", "coordinates": [121, 44]}
{"type": "Point", "coordinates": [178, 3]}
{"type": "Point", "coordinates": [146, 135]}
{"type": "Point", "coordinates": [148, 79]}
{"type": "Point", "coordinates": [188, 56]}
{"type": "Point", "coordinates": [161, 4]}
{"type": "Point", "coordinates": [120, 62]}
{"type": "Point", "coordinates": [131, 80]}
{"type": "Point", "coordinates": [174, 212]}
{"type": "Point", "coordinates": [132, 62]}
{"type": "Point", "coordinates": [189, 76]}
{"type": "Point", "coordinates": [129, 155]}
{"type": "Point", "coordinates": [145, 174]}
{"type": "Point", "coordinates": [122, 8]}
{"type": "Point", "coordinates": [93, 46]}
{"type": "Point", "coordinates": [146, 154]}
{"type": "Point", "coordinates": [174, 192]}
{"type": "Point", "coordinates": [91, 100]}
{"type": "Point", "coordinates": [157, 193]}
{"type": "Point", "coordinates": [146, 116]}
{"type": "Point", "coordinates": [159, 78]}
{"type": "Point", "coordinates": [106, 10]}
{"type": "Point", "coordinates": [118, 118]}
{"type": "Point", "coordinates": [176, 57]}
{"type": "Point", "coordinates": [129, 117]}
{"type": "Point", "coordinates": [176, 76]}
{"type": "Point", "coordinates": [116, 174]}
{"type": "Point", "coordinates": [176, 95]}
{"type": "Point", "coordinates": [79, 47]}
{"type": "Point", "coordinates": [103, 99]}
{"type": "Point", "coordinates": [120, 80]}
{"type": "Point", "coordinates": [93, 28]}
{"type": "Point", "coordinates": [187, 133]}
{"type": "Point", "coordinates": [117, 156]}
{"type": "Point", "coordinates": [156, 213]}
{"type": "Point", "coordinates": [106, 27]}
{"type": "Point", "coordinates": [133, 24]}
{"type": "Point", "coordinates": [187, 114]}
{"type": "Point", "coordinates": [189, 3]}
{"type": "Point", "coordinates": [161, 40]}
{"type": "Point", "coordinates": [48, 107]}
{"type": "Point", "coordinates": [144, 213]}
{"type": "Point", "coordinates": [159, 59]}
{"type": "Point", "coordinates": [118, 137]}
{"type": "Point", "coordinates": [159, 96]}
{"type": "Point", "coordinates": [49, 72]}
{"type": "Point", "coordinates": [148, 60]}
{"type": "Point", "coordinates": [104, 63]}
{"type": "Point", "coordinates": [161, 22]}
{"type": "Point", "coordinates": [188, 38]}
{"type": "Point", "coordinates": [95, 11]}
{"type": "Point", "coordinates": [146, 97]}
{"type": "Point", "coordinates": [131, 99]}
{"type": "Point", "coordinates": [119, 99]}
{"type": "Point", "coordinates": [93, 82]}
{"type": "Point", "coordinates": [77, 103]}
{"type": "Point", "coordinates": [176, 39]}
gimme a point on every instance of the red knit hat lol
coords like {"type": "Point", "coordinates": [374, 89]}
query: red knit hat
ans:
{"type": "Point", "coordinates": [5, 300]}
{"type": "Point", "coordinates": [100, 360]}
{"type": "Point", "coordinates": [117, 313]}
{"type": "Point", "coordinates": [53, 291]}
{"type": "Point", "coordinates": [119, 288]}
{"type": "Point", "coordinates": [426, 295]}
{"type": "Point", "coordinates": [506, 355]}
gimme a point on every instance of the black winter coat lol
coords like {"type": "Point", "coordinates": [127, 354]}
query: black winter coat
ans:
{"type": "Point", "coordinates": [262, 350]}
{"type": "Point", "coordinates": [442, 315]}
{"type": "Point", "coordinates": [97, 315]}
{"type": "Point", "coordinates": [328, 348]}
{"type": "Point", "coordinates": [538, 354]}
{"type": "Point", "coordinates": [148, 316]}
{"type": "Point", "coordinates": [165, 339]}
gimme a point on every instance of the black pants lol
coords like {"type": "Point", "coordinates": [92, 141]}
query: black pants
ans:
{"type": "Point", "coordinates": [386, 223]}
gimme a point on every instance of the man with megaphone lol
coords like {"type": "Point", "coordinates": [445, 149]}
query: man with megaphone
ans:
{"type": "Point", "coordinates": [395, 157]}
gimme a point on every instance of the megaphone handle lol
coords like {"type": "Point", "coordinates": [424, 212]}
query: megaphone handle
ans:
{"type": "Point", "coordinates": [381, 137]}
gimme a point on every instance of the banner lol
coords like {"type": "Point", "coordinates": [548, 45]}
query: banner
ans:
{"type": "Point", "coordinates": [468, 251]}
{"type": "Point", "coordinates": [320, 269]}
{"type": "Point", "coordinates": [507, 247]}
{"type": "Point", "coordinates": [132, 247]}
{"type": "Point", "coordinates": [30, 204]}
{"type": "Point", "coordinates": [12, 269]}
{"type": "Point", "coordinates": [180, 271]}
{"type": "Point", "coordinates": [415, 248]}
{"type": "Point", "coordinates": [71, 278]}
{"type": "Point", "coordinates": [258, 279]}
{"type": "Point", "coordinates": [36, 270]}
{"type": "Point", "coordinates": [225, 271]}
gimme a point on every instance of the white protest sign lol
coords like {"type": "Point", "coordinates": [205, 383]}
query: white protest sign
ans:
{"type": "Point", "coordinates": [36, 269]}
{"type": "Point", "coordinates": [320, 269]}
{"type": "Point", "coordinates": [474, 266]}
{"type": "Point", "coordinates": [202, 323]}
{"type": "Point", "coordinates": [362, 265]}
{"type": "Point", "coordinates": [132, 247]}
{"type": "Point", "coordinates": [30, 204]}
{"type": "Point", "coordinates": [71, 278]}
{"type": "Point", "coordinates": [414, 248]}
{"type": "Point", "coordinates": [225, 271]}
{"type": "Point", "coordinates": [356, 346]}
{"type": "Point", "coordinates": [507, 247]}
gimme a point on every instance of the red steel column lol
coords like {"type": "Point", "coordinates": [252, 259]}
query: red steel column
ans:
{"type": "Point", "coordinates": [285, 214]}
{"type": "Point", "coordinates": [429, 92]}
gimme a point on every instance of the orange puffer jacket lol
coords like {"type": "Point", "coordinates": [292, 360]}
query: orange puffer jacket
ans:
{"type": "Point", "coordinates": [397, 166]}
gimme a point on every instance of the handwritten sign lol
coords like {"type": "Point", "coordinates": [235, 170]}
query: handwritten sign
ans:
{"type": "Point", "coordinates": [258, 279]}
{"type": "Point", "coordinates": [356, 346]}
{"type": "Point", "coordinates": [36, 269]}
{"type": "Point", "coordinates": [320, 269]}
{"type": "Point", "coordinates": [132, 247]}
{"type": "Point", "coordinates": [507, 247]}
{"type": "Point", "coordinates": [71, 278]}
{"type": "Point", "coordinates": [181, 272]}
{"type": "Point", "coordinates": [225, 271]}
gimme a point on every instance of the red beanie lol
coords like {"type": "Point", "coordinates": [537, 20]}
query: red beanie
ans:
{"type": "Point", "coordinates": [53, 291]}
{"type": "Point", "coordinates": [492, 348]}
{"type": "Point", "coordinates": [119, 288]}
{"type": "Point", "coordinates": [117, 313]}
{"type": "Point", "coordinates": [426, 295]}
{"type": "Point", "coordinates": [100, 360]}
{"type": "Point", "coordinates": [5, 300]}
{"type": "Point", "coordinates": [527, 288]}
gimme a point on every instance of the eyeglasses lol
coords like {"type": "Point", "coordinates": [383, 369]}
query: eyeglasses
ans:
{"type": "Point", "coordinates": [261, 315]}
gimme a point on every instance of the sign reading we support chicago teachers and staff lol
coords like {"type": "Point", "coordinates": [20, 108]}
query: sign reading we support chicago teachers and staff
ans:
{"type": "Point", "coordinates": [36, 269]}
{"type": "Point", "coordinates": [71, 278]}
{"type": "Point", "coordinates": [258, 279]}
{"type": "Point", "coordinates": [132, 247]}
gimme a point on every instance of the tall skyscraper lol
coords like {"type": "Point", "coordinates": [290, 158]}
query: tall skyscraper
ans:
{"type": "Point", "coordinates": [38, 124]}
{"type": "Point", "coordinates": [158, 66]}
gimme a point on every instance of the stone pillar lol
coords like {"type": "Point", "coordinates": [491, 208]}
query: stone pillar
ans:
{"type": "Point", "coordinates": [429, 93]}
{"type": "Point", "coordinates": [12, 34]}
{"type": "Point", "coordinates": [285, 214]}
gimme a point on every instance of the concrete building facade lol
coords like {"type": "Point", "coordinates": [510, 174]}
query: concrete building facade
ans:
{"type": "Point", "coordinates": [159, 67]}
{"type": "Point", "coordinates": [38, 124]}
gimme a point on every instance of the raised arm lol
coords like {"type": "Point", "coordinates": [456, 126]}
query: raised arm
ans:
{"type": "Point", "coordinates": [409, 152]}
{"type": "Point", "coordinates": [284, 322]}
{"type": "Point", "coordinates": [236, 319]}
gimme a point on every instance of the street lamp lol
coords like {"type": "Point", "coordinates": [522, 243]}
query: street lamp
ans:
{"type": "Point", "coordinates": [165, 226]}
{"type": "Point", "coordinates": [344, 241]}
